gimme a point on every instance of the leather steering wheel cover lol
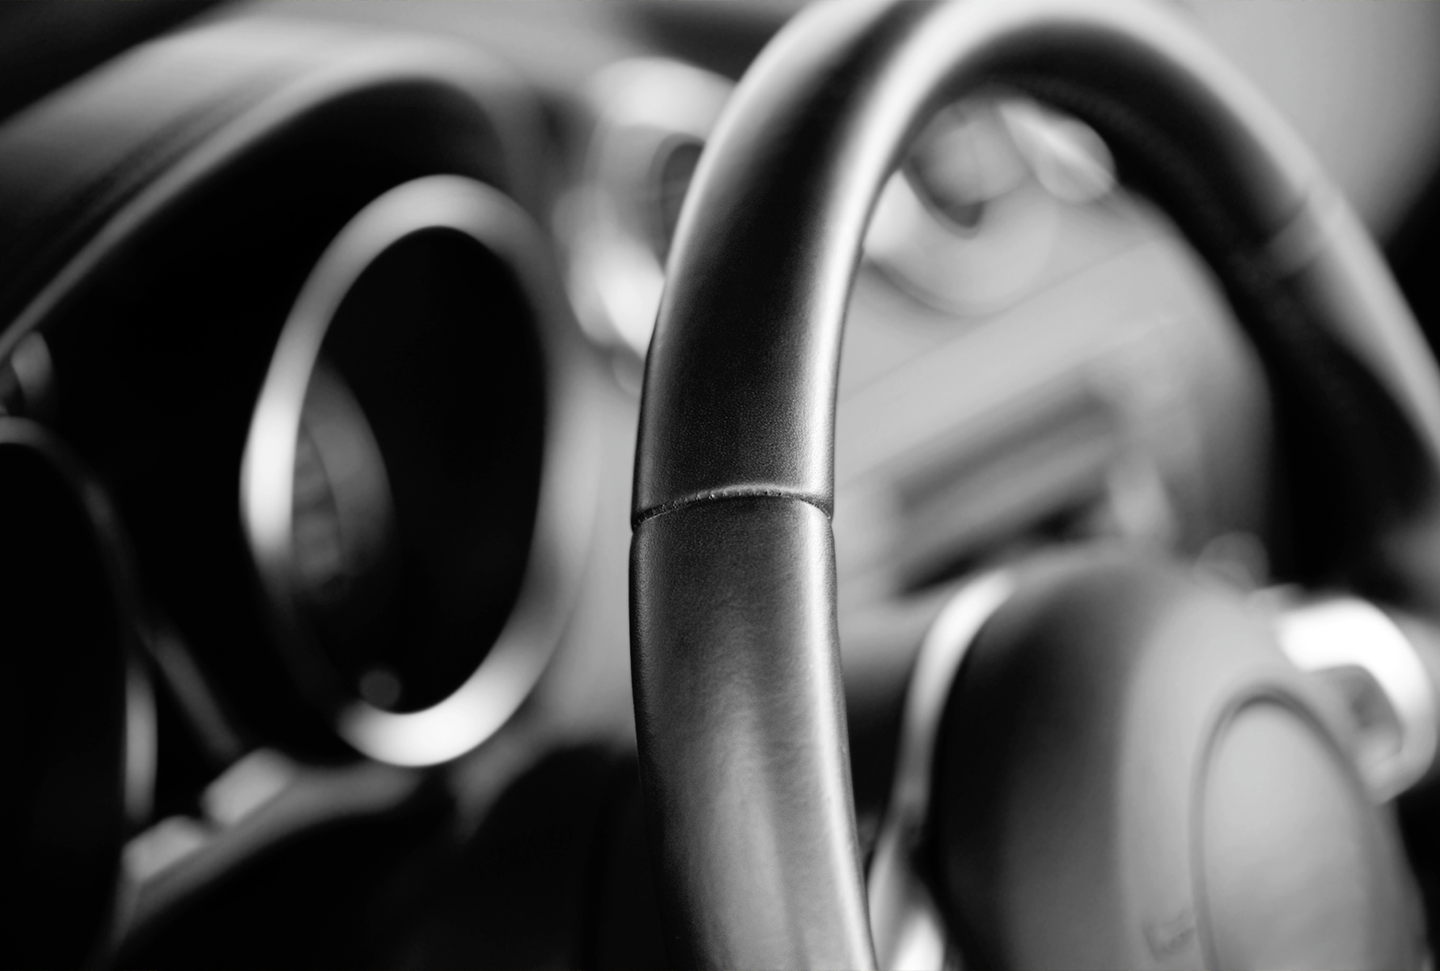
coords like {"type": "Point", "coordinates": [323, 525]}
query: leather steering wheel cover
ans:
{"type": "Point", "coordinates": [740, 389]}
{"type": "Point", "coordinates": [737, 425]}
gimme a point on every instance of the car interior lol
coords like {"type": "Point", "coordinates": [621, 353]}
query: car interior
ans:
{"type": "Point", "coordinates": [731, 483]}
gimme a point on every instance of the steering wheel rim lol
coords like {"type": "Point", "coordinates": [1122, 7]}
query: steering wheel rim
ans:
{"type": "Point", "coordinates": [734, 638]}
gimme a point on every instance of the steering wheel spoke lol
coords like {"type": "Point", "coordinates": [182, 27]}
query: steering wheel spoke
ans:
{"type": "Point", "coordinates": [1382, 667]}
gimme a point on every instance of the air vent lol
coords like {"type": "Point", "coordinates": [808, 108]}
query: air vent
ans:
{"type": "Point", "coordinates": [1048, 468]}
{"type": "Point", "coordinates": [1040, 473]}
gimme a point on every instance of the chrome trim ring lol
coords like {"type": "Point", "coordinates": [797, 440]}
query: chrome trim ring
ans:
{"type": "Point", "coordinates": [565, 512]}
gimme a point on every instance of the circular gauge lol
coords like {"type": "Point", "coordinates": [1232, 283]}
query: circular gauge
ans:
{"type": "Point", "coordinates": [77, 735]}
{"type": "Point", "coordinates": [409, 489]}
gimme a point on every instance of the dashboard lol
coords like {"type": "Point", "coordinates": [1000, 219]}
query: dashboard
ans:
{"type": "Point", "coordinates": [330, 323]}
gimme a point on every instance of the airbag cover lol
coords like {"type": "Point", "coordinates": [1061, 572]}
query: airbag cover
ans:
{"type": "Point", "coordinates": [1131, 774]}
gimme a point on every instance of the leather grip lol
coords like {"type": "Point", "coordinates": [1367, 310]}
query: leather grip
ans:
{"type": "Point", "coordinates": [735, 664]}
{"type": "Point", "coordinates": [737, 424]}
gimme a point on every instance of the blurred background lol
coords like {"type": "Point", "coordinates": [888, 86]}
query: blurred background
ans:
{"type": "Point", "coordinates": [328, 322]}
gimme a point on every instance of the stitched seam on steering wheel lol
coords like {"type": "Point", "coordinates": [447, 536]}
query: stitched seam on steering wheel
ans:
{"type": "Point", "coordinates": [722, 495]}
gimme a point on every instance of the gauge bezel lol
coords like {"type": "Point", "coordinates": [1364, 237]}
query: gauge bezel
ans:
{"type": "Point", "coordinates": [108, 715]}
{"type": "Point", "coordinates": [505, 676]}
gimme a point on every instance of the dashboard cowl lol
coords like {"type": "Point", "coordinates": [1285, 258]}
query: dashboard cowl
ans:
{"type": "Point", "coordinates": [146, 220]}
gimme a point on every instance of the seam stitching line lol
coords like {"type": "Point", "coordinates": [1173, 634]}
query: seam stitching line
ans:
{"type": "Point", "coordinates": [719, 495]}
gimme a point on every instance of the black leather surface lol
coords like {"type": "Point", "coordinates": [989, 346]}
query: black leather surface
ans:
{"type": "Point", "coordinates": [740, 400]}
{"type": "Point", "coordinates": [743, 753]}
{"type": "Point", "coordinates": [741, 382]}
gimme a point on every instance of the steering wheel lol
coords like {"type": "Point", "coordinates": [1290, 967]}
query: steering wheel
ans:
{"type": "Point", "coordinates": [733, 606]}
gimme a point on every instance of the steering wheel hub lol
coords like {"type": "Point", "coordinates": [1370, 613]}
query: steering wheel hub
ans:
{"type": "Point", "coordinates": [1130, 773]}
